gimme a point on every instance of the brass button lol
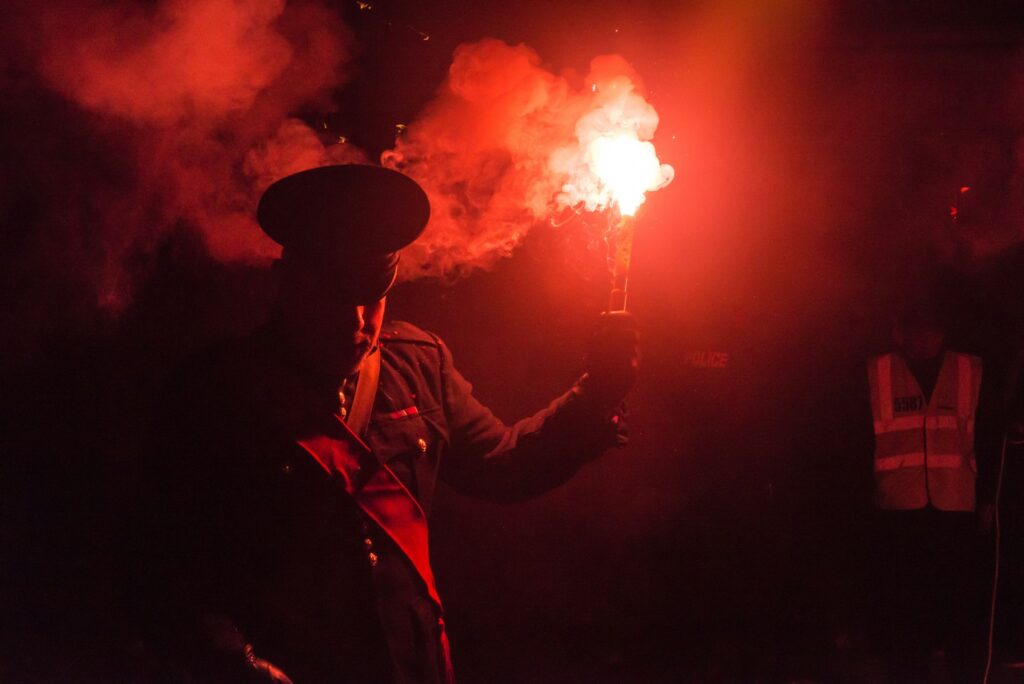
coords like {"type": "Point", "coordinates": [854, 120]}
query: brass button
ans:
{"type": "Point", "coordinates": [368, 544]}
{"type": "Point", "coordinates": [422, 444]}
{"type": "Point", "coordinates": [287, 469]}
{"type": "Point", "coordinates": [374, 558]}
{"type": "Point", "coordinates": [343, 412]}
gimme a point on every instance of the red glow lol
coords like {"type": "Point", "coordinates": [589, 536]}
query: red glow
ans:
{"type": "Point", "coordinates": [707, 359]}
{"type": "Point", "coordinates": [507, 143]}
{"type": "Point", "coordinates": [196, 96]}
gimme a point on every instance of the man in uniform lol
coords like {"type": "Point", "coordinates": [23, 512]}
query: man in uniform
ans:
{"type": "Point", "coordinates": [925, 410]}
{"type": "Point", "coordinates": [295, 467]}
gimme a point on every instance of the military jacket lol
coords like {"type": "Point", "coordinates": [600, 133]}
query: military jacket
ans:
{"type": "Point", "coordinates": [254, 530]}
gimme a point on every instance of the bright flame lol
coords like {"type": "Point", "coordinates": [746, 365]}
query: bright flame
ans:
{"type": "Point", "coordinates": [628, 168]}
{"type": "Point", "coordinates": [614, 163]}
{"type": "Point", "coordinates": [508, 144]}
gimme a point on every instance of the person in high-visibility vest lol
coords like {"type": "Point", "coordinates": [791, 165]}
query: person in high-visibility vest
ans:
{"type": "Point", "coordinates": [924, 403]}
{"type": "Point", "coordinates": [925, 406]}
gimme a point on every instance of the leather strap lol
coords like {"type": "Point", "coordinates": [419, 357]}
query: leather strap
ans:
{"type": "Point", "coordinates": [366, 392]}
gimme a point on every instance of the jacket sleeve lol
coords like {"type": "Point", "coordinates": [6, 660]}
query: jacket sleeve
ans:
{"type": "Point", "coordinates": [495, 461]}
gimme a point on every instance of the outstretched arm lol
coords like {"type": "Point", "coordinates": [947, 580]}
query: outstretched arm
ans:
{"type": "Point", "coordinates": [496, 461]}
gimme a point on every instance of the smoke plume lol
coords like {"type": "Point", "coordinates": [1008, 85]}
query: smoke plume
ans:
{"type": "Point", "coordinates": [190, 104]}
{"type": "Point", "coordinates": [505, 145]}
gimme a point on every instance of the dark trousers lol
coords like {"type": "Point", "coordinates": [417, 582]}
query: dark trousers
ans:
{"type": "Point", "coordinates": [930, 595]}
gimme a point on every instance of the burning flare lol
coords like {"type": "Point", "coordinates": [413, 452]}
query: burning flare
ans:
{"type": "Point", "coordinates": [628, 168]}
{"type": "Point", "coordinates": [614, 164]}
{"type": "Point", "coordinates": [507, 144]}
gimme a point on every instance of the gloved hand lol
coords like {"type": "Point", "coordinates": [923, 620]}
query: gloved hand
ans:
{"type": "Point", "coordinates": [612, 359]}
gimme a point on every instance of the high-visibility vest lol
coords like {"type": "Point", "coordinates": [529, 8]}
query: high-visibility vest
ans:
{"type": "Point", "coordinates": [924, 450]}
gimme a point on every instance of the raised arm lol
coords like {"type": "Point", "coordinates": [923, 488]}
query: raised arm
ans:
{"type": "Point", "coordinates": [496, 461]}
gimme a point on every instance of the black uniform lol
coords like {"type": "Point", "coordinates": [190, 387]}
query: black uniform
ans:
{"type": "Point", "coordinates": [252, 528]}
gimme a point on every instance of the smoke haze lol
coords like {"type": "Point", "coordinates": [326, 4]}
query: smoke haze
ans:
{"type": "Point", "coordinates": [818, 146]}
{"type": "Point", "coordinates": [188, 105]}
{"type": "Point", "coordinates": [503, 147]}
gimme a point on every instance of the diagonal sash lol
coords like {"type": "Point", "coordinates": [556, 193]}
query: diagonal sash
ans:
{"type": "Point", "coordinates": [376, 490]}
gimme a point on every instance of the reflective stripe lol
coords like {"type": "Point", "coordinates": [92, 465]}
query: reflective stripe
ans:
{"type": "Point", "coordinates": [940, 422]}
{"type": "Point", "coordinates": [965, 386]}
{"type": "Point", "coordinates": [911, 460]}
{"type": "Point", "coordinates": [916, 460]}
{"type": "Point", "coordinates": [898, 424]}
{"type": "Point", "coordinates": [885, 386]}
{"type": "Point", "coordinates": [917, 422]}
{"type": "Point", "coordinates": [945, 461]}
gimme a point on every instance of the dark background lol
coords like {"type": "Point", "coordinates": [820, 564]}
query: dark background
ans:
{"type": "Point", "coordinates": [818, 150]}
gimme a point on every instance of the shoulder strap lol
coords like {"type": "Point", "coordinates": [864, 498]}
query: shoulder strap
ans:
{"type": "Point", "coordinates": [366, 391]}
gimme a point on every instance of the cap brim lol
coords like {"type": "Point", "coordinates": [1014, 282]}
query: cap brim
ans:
{"type": "Point", "coordinates": [346, 212]}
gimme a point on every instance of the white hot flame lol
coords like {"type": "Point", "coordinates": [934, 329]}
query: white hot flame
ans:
{"type": "Point", "coordinates": [614, 162]}
{"type": "Point", "coordinates": [628, 168]}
